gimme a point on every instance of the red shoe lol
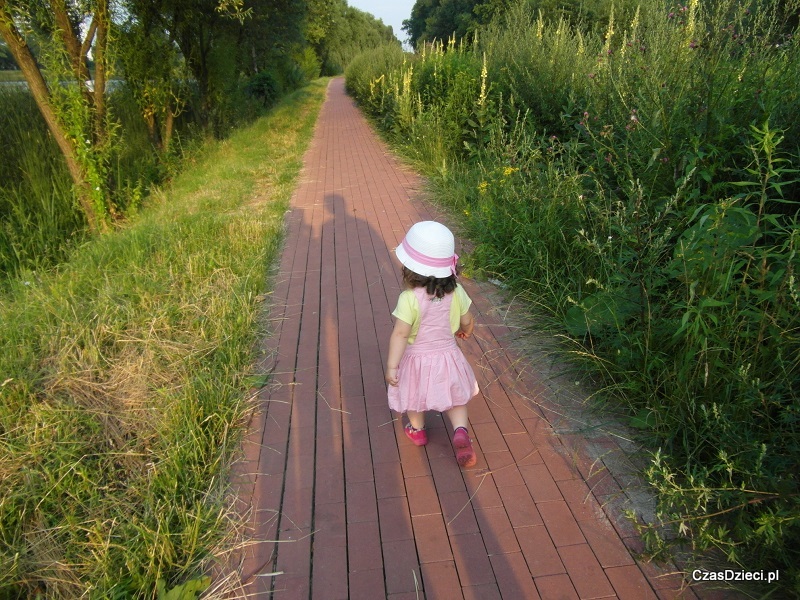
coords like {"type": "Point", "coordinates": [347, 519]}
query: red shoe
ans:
{"type": "Point", "coordinates": [418, 436]}
{"type": "Point", "coordinates": [465, 455]}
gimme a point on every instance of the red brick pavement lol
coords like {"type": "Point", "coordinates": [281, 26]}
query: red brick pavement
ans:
{"type": "Point", "coordinates": [343, 505]}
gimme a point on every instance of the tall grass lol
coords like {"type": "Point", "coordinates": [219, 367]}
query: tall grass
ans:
{"type": "Point", "coordinates": [641, 182]}
{"type": "Point", "coordinates": [122, 377]}
{"type": "Point", "coordinates": [37, 212]}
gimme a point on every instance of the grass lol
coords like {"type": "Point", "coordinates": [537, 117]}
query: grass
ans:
{"type": "Point", "coordinates": [123, 375]}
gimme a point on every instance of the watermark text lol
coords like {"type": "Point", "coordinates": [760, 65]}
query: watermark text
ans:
{"type": "Point", "coordinates": [734, 575]}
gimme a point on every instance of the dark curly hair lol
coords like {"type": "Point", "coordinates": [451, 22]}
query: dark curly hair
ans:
{"type": "Point", "coordinates": [434, 286]}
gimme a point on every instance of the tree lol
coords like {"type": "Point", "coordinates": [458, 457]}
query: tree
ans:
{"type": "Point", "coordinates": [73, 107]}
{"type": "Point", "coordinates": [158, 86]}
{"type": "Point", "coordinates": [216, 41]}
{"type": "Point", "coordinates": [351, 32]}
{"type": "Point", "coordinates": [440, 20]}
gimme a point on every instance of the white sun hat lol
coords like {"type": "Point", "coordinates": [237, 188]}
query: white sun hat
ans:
{"type": "Point", "coordinates": [429, 250]}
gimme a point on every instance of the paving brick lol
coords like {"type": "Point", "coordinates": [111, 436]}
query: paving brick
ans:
{"type": "Point", "coordinates": [363, 546]}
{"type": "Point", "coordinates": [487, 591]}
{"type": "Point", "coordinates": [395, 519]}
{"type": "Point", "coordinates": [560, 523]}
{"type": "Point", "coordinates": [329, 572]}
{"type": "Point", "coordinates": [539, 551]}
{"type": "Point", "coordinates": [520, 507]}
{"type": "Point", "coordinates": [364, 585]}
{"type": "Point", "coordinates": [607, 547]}
{"type": "Point", "coordinates": [389, 482]}
{"type": "Point", "coordinates": [362, 503]}
{"type": "Point", "coordinates": [498, 534]}
{"type": "Point", "coordinates": [580, 500]}
{"type": "Point", "coordinates": [330, 530]}
{"type": "Point", "coordinates": [482, 490]}
{"type": "Point", "coordinates": [459, 516]}
{"type": "Point", "coordinates": [447, 475]}
{"type": "Point", "coordinates": [504, 469]}
{"type": "Point", "coordinates": [629, 583]}
{"type": "Point", "coordinates": [413, 458]}
{"type": "Point", "coordinates": [433, 544]}
{"type": "Point", "coordinates": [479, 411]}
{"type": "Point", "coordinates": [540, 482]}
{"type": "Point", "coordinates": [522, 449]}
{"type": "Point", "coordinates": [490, 437]}
{"type": "Point", "coordinates": [557, 463]}
{"type": "Point", "coordinates": [403, 571]}
{"type": "Point", "coordinates": [472, 560]}
{"type": "Point", "coordinates": [440, 580]}
{"type": "Point", "coordinates": [585, 572]}
{"type": "Point", "coordinates": [513, 576]}
{"type": "Point", "coordinates": [556, 587]}
{"type": "Point", "coordinates": [422, 497]}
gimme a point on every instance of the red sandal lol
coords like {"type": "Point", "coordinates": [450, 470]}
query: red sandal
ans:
{"type": "Point", "coordinates": [465, 455]}
{"type": "Point", "coordinates": [418, 436]}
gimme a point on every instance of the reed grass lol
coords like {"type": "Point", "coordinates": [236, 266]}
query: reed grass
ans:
{"type": "Point", "coordinates": [641, 184]}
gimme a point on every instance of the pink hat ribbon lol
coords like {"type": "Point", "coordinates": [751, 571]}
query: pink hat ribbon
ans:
{"type": "Point", "coordinates": [430, 261]}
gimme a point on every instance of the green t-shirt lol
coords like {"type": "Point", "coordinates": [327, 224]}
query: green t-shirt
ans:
{"type": "Point", "coordinates": [408, 310]}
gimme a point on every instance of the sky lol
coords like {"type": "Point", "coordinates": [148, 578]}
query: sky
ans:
{"type": "Point", "coordinates": [391, 12]}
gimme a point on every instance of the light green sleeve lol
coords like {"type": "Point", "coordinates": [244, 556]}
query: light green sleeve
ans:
{"type": "Point", "coordinates": [459, 306]}
{"type": "Point", "coordinates": [407, 310]}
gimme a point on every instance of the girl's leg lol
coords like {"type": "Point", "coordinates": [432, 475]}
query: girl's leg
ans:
{"type": "Point", "coordinates": [417, 419]}
{"type": "Point", "coordinates": [458, 417]}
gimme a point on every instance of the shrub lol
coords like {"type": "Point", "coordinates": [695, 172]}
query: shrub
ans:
{"type": "Point", "coordinates": [264, 86]}
{"type": "Point", "coordinates": [640, 183]}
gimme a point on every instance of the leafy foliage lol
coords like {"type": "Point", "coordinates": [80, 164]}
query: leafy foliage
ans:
{"type": "Point", "coordinates": [641, 182]}
{"type": "Point", "coordinates": [183, 70]}
{"type": "Point", "coordinates": [350, 33]}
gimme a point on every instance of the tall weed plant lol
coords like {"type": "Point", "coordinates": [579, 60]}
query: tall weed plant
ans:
{"type": "Point", "coordinates": [641, 183]}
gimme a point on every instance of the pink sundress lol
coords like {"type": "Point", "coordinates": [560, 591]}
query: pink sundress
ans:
{"type": "Point", "coordinates": [433, 372]}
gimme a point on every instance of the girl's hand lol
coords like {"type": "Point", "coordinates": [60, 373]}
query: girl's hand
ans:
{"type": "Point", "coordinates": [391, 377]}
{"type": "Point", "coordinates": [466, 326]}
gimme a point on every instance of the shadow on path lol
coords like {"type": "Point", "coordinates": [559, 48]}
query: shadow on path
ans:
{"type": "Point", "coordinates": [342, 505]}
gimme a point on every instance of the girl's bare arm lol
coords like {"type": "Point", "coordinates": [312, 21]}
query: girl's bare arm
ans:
{"type": "Point", "coordinates": [466, 326]}
{"type": "Point", "coordinates": [397, 345]}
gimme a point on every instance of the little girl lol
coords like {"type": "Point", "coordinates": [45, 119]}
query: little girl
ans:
{"type": "Point", "coordinates": [425, 368]}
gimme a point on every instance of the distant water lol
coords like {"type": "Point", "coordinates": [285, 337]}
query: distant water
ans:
{"type": "Point", "coordinates": [110, 85]}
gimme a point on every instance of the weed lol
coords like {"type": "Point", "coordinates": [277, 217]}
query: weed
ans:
{"type": "Point", "coordinates": [641, 182]}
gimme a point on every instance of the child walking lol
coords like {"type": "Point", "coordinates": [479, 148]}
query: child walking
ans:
{"type": "Point", "coordinates": [425, 368]}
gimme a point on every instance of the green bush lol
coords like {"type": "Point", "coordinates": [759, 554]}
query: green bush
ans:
{"type": "Point", "coordinates": [265, 87]}
{"type": "Point", "coordinates": [641, 184]}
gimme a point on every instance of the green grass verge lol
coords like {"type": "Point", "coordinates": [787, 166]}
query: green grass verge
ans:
{"type": "Point", "coordinates": [123, 377]}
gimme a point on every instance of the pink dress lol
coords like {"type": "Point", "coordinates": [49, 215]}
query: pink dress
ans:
{"type": "Point", "coordinates": [433, 372]}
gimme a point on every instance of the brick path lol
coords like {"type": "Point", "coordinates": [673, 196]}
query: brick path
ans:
{"type": "Point", "coordinates": [343, 505]}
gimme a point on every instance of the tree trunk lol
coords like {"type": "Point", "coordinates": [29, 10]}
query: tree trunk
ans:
{"type": "Point", "coordinates": [169, 124]}
{"type": "Point", "coordinates": [102, 19]}
{"type": "Point", "coordinates": [41, 94]}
